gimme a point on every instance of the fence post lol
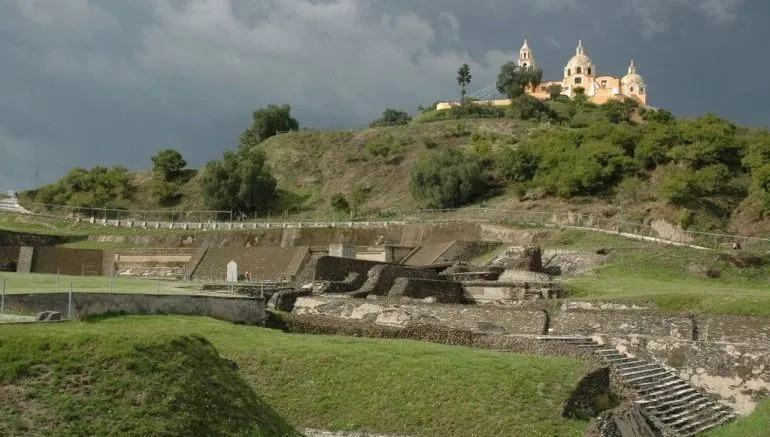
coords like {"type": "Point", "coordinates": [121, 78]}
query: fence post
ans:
{"type": "Point", "coordinates": [58, 281]}
{"type": "Point", "coordinates": [2, 298]}
{"type": "Point", "coordinates": [69, 304]}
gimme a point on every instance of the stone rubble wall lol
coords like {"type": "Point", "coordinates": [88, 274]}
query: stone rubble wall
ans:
{"type": "Point", "coordinates": [232, 309]}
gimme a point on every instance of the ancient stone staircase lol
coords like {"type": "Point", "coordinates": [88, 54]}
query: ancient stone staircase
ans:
{"type": "Point", "coordinates": [675, 406]}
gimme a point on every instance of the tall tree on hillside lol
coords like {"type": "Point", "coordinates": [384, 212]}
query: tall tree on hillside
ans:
{"type": "Point", "coordinates": [463, 79]}
{"type": "Point", "coordinates": [168, 163]}
{"type": "Point", "coordinates": [241, 182]}
{"type": "Point", "coordinates": [267, 121]}
{"type": "Point", "coordinates": [513, 80]}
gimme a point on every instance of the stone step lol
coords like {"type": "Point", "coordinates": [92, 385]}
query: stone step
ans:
{"type": "Point", "coordinates": [690, 432]}
{"type": "Point", "coordinates": [637, 366]}
{"type": "Point", "coordinates": [644, 377]}
{"type": "Point", "coordinates": [618, 361]}
{"type": "Point", "coordinates": [678, 408]}
{"type": "Point", "coordinates": [681, 401]}
{"type": "Point", "coordinates": [690, 416]}
{"type": "Point", "coordinates": [671, 395]}
{"type": "Point", "coordinates": [674, 382]}
{"type": "Point", "coordinates": [713, 420]}
{"type": "Point", "coordinates": [665, 391]}
{"type": "Point", "coordinates": [715, 408]}
{"type": "Point", "coordinates": [671, 378]}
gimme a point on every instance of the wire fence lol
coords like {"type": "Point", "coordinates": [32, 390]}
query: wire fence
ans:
{"type": "Point", "coordinates": [227, 220]}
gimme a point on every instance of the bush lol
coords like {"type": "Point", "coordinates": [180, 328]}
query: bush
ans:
{"type": "Point", "coordinates": [392, 117]}
{"type": "Point", "coordinates": [340, 204]}
{"type": "Point", "coordinates": [165, 193]}
{"type": "Point", "coordinates": [518, 165]}
{"type": "Point", "coordinates": [241, 182]}
{"type": "Point", "coordinates": [97, 187]}
{"type": "Point", "coordinates": [168, 163]}
{"type": "Point", "coordinates": [447, 179]}
{"type": "Point", "coordinates": [526, 107]}
{"type": "Point", "coordinates": [266, 122]}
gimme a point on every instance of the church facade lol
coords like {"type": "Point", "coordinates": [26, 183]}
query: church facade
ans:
{"type": "Point", "coordinates": [580, 72]}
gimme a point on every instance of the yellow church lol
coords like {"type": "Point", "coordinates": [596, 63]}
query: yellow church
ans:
{"type": "Point", "coordinates": [581, 72]}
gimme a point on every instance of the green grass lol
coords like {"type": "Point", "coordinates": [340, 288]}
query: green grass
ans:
{"type": "Point", "coordinates": [77, 380]}
{"type": "Point", "coordinates": [650, 273]}
{"type": "Point", "coordinates": [339, 383]}
{"type": "Point", "coordinates": [754, 425]}
{"type": "Point", "coordinates": [45, 283]}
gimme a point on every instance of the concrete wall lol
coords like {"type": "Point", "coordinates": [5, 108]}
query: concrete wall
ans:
{"type": "Point", "coordinates": [232, 309]}
{"type": "Point", "coordinates": [11, 238]}
{"type": "Point", "coordinates": [263, 262]}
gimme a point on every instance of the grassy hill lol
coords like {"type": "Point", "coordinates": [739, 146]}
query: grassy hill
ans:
{"type": "Point", "coordinates": [161, 375]}
{"type": "Point", "coordinates": [703, 174]}
{"type": "Point", "coordinates": [60, 380]}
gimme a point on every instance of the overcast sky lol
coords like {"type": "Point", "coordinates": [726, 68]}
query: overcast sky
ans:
{"type": "Point", "coordinates": [87, 82]}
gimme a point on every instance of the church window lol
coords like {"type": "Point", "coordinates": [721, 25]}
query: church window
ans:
{"type": "Point", "coordinates": [578, 80]}
{"type": "Point", "coordinates": [641, 90]}
{"type": "Point", "coordinates": [525, 65]}
{"type": "Point", "coordinates": [604, 84]}
{"type": "Point", "coordinates": [579, 70]}
{"type": "Point", "coordinates": [543, 88]}
{"type": "Point", "coordinates": [569, 72]}
{"type": "Point", "coordinates": [589, 71]}
{"type": "Point", "coordinates": [632, 89]}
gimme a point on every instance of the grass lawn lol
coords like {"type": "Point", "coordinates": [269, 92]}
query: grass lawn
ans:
{"type": "Point", "coordinates": [754, 425]}
{"type": "Point", "coordinates": [339, 383]}
{"type": "Point", "coordinates": [642, 272]}
{"type": "Point", "coordinates": [44, 283]}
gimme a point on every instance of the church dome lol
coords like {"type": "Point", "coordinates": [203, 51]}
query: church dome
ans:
{"type": "Point", "coordinates": [633, 79]}
{"type": "Point", "coordinates": [580, 63]}
{"type": "Point", "coordinates": [632, 76]}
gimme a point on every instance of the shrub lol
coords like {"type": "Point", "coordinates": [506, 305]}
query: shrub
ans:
{"type": "Point", "coordinates": [340, 204]}
{"type": "Point", "coordinates": [165, 193]}
{"type": "Point", "coordinates": [526, 107]}
{"type": "Point", "coordinates": [447, 179]}
{"type": "Point", "coordinates": [392, 117]}
{"type": "Point", "coordinates": [99, 186]}
{"type": "Point", "coordinates": [241, 182]}
{"type": "Point", "coordinates": [168, 163]}
{"type": "Point", "coordinates": [518, 165]}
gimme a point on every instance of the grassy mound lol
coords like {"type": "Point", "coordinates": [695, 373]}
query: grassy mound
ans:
{"type": "Point", "coordinates": [338, 383]}
{"type": "Point", "coordinates": [753, 425]}
{"type": "Point", "coordinates": [643, 273]}
{"type": "Point", "coordinates": [93, 383]}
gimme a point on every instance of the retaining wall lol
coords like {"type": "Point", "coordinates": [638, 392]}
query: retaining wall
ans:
{"type": "Point", "coordinates": [416, 288]}
{"type": "Point", "coordinates": [68, 261]}
{"type": "Point", "coordinates": [232, 309]}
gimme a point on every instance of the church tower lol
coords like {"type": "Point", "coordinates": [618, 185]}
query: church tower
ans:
{"type": "Point", "coordinates": [526, 59]}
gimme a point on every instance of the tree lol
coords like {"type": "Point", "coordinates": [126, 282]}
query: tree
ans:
{"type": "Point", "coordinates": [526, 107]}
{"type": "Point", "coordinates": [340, 204]}
{"type": "Point", "coordinates": [241, 182]}
{"type": "Point", "coordinates": [463, 79]}
{"type": "Point", "coordinates": [513, 80]}
{"type": "Point", "coordinates": [619, 111]}
{"type": "Point", "coordinates": [267, 121]}
{"type": "Point", "coordinates": [447, 179]}
{"type": "Point", "coordinates": [168, 163]}
{"type": "Point", "coordinates": [392, 117]}
{"type": "Point", "coordinates": [554, 90]}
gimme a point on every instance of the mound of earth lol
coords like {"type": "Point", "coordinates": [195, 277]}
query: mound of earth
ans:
{"type": "Point", "coordinates": [97, 385]}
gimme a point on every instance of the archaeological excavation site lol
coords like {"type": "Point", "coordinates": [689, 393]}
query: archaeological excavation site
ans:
{"type": "Point", "coordinates": [648, 370]}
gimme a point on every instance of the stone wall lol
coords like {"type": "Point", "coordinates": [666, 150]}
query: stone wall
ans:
{"type": "Point", "coordinates": [380, 278]}
{"type": "Point", "coordinates": [11, 238]}
{"type": "Point", "coordinates": [622, 322]}
{"type": "Point", "coordinates": [441, 291]}
{"type": "Point", "coordinates": [383, 311]}
{"type": "Point", "coordinates": [330, 268]}
{"type": "Point", "coordinates": [9, 257]}
{"type": "Point", "coordinates": [738, 372]}
{"type": "Point", "coordinates": [87, 262]}
{"type": "Point", "coordinates": [493, 292]}
{"type": "Point", "coordinates": [232, 309]}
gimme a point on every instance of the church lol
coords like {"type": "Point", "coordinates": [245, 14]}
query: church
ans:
{"type": "Point", "coordinates": [580, 72]}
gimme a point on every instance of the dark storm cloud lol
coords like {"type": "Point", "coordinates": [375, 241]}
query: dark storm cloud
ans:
{"type": "Point", "coordinates": [88, 82]}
